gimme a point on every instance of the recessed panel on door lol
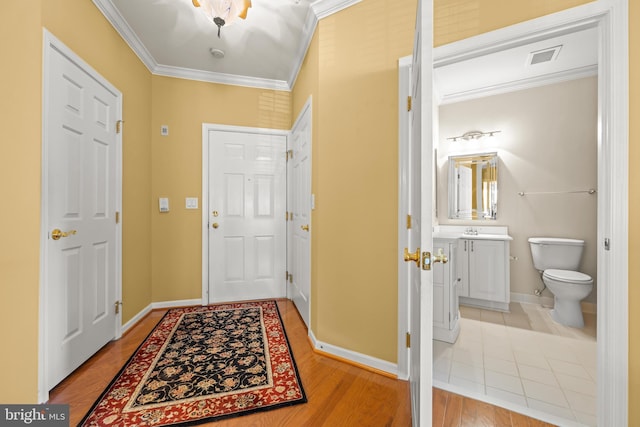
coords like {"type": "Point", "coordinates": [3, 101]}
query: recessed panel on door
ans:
{"type": "Point", "coordinates": [234, 249]}
{"type": "Point", "coordinates": [264, 196]}
{"type": "Point", "coordinates": [100, 113]}
{"type": "Point", "coordinates": [234, 195]}
{"type": "Point", "coordinates": [101, 180]}
{"type": "Point", "coordinates": [101, 279]}
{"type": "Point", "coordinates": [72, 280]}
{"type": "Point", "coordinates": [264, 256]}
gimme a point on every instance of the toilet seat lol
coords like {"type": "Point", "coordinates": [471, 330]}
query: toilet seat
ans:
{"type": "Point", "coordinates": [568, 276]}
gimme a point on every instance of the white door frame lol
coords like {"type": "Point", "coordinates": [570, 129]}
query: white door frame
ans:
{"type": "Point", "coordinates": [611, 16]}
{"type": "Point", "coordinates": [404, 135]}
{"type": "Point", "coordinates": [50, 44]}
{"type": "Point", "coordinates": [206, 127]}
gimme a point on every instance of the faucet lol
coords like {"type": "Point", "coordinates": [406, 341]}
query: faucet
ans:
{"type": "Point", "coordinates": [471, 231]}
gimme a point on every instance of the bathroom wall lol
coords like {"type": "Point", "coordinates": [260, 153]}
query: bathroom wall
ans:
{"type": "Point", "coordinates": [547, 143]}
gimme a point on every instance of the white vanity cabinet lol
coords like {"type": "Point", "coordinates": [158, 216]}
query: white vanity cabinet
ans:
{"type": "Point", "coordinates": [483, 273]}
{"type": "Point", "coordinates": [445, 297]}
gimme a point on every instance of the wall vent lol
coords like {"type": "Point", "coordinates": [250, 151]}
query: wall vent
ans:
{"type": "Point", "coordinates": [544, 55]}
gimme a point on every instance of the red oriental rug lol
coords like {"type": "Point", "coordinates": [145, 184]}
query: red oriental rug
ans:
{"type": "Point", "coordinates": [202, 364]}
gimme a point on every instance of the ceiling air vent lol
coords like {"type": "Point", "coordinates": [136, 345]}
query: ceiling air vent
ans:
{"type": "Point", "coordinates": [544, 55]}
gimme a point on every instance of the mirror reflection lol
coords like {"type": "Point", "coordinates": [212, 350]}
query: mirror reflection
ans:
{"type": "Point", "coordinates": [473, 186]}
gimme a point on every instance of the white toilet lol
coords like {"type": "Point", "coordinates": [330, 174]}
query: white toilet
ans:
{"type": "Point", "coordinates": [558, 261]}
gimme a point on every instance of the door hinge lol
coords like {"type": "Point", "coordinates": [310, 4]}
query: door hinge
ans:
{"type": "Point", "coordinates": [117, 217]}
{"type": "Point", "coordinates": [119, 125]}
{"type": "Point", "coordinates": [118, 304]}
{"type": "Point", "coordinates": [408, 222]}
{"type": "Point", "coordinates": [290, 278]}
{"type": "Point", "coordinates": [289, 154]}
{"type": "Point", "coordinates": [408, 339]}
{"type": "Point", "coordinates": [409, 103]}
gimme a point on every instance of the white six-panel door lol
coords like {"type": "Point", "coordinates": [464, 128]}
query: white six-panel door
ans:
{"type": "Point", "coordinates": [80, 193]}
{"type": "Point", "coordinates": [247, 224]}
{"type": "Point", "coordinates": [300, 205]}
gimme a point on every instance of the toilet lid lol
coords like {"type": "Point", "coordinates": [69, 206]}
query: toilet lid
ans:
{"type": "Point", "coordinates": [567, 276]}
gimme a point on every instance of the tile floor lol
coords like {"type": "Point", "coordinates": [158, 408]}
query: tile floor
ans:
{"type": "Point", "coordinates": [551, 372]}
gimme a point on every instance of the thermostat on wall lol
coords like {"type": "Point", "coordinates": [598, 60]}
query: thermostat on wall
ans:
{"type": "Point", "coordinates": [164, 204]}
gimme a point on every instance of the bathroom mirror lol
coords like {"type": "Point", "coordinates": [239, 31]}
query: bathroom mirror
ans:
{"type": "Point", "coordinates": [473, 186]}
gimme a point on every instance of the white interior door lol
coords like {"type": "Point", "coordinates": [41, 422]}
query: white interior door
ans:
{"type": "Point", "coordinates": [81, 194]}
{"type": "Point", "coordinates": [247, 225]}
{"type": "Point", "coordinates": [420, 202]}
{"type": "Point", "coordinates": [300, 204]}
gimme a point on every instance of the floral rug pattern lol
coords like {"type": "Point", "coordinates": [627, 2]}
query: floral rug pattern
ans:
{"type": "Point", "coordinates": [200, 364]}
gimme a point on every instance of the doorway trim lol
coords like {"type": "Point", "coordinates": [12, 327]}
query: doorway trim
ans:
{"type": "Point", "coordinates": [206, 127]}
{"type": "Point", "coordinates": [51, 43]}
{"type": "Point", "coordinates": [611, 17]}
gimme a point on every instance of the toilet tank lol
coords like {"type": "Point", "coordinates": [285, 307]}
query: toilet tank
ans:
{"type": "Point", "coordinates": [558, 253]}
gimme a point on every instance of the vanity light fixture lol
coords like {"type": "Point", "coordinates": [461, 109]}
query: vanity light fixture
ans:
{"type": "Point", "coordinates": [473, 134]}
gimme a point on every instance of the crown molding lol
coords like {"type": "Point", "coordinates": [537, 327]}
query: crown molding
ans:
{"type": "Point", "coordinates": [118, 22]}
{"type": "Point", "coordinates": [221, 78]}
{"type": "Point", "coordinates": [311, 22]}
{"type": "Point", "coordinates": [513, 86]}
{"type": "Point", "coordinates": [324, 8]}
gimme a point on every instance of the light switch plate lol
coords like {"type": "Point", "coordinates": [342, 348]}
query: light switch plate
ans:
{"type": "Point", "coordinates": [191, 203]}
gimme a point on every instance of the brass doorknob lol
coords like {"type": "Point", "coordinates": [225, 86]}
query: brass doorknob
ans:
{"type": "Point", "coordinates": [56, 234]}
{"type": "Point", "coordinates": [215, 225]}
{"type": "Point", "coordinates": [305, 227]}
{"type": "Point", "coordinates": [415, 256]}
{"type": "Point", "coordinates": [441, 257]}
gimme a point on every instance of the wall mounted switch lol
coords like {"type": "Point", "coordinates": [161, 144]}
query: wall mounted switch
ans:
{"type": "Point", "coordinates": [191, 203]}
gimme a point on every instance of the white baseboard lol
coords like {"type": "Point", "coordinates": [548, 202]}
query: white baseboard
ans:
{"type": "Point", "coordinates": [176, 303]}
{"type": "Point", "coordinates": [135, 319]}
{"type": "Point", "coordinates": [587, 307]}
{"type": "Point", "coordinates": [532, 299]}
{"type": "Point", "coordinates": [155, 305]}
{"type": "Point", "coordinates": [355, 357]}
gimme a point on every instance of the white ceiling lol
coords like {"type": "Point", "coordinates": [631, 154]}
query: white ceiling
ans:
{"type": "Point", "coordinates": [266, 50]}
{"type": "Point", "coordinates": [174, 38]}
{"type": "Point", "coordinates": [509, 69]}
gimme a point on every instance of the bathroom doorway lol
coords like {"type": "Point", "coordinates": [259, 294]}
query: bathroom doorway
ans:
{"type": "Point", "coordinates": [612, 139]}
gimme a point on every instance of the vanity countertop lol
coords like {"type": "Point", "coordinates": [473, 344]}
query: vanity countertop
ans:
{"type": "Point", "coordinates": [473, 233]}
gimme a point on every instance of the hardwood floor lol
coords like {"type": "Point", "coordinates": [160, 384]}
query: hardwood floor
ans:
{"type": "Point", "coordinates": [339, 394]}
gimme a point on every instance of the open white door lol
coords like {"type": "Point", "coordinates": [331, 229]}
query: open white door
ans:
{"type": "Point", "coordinates": [299, 232]}
{"type": "Point", "coordinates": [420, 203]}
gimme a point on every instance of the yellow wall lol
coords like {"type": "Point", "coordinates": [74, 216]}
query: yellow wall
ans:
{"type": "Point", "coordinates": [355, 146]}
{"type": "Point", "coordinates": [81, 27]}
{"type": "Point", "coordinates": [20, 117]}
{"type": "Point", "coordinates": [184, 106]}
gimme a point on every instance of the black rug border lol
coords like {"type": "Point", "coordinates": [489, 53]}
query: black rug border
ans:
{"type": "Point", "coordinates": [303, 399]}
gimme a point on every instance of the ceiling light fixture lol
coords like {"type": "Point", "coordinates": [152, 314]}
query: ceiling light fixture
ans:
{"type": "Point", "coordinates": [223, 12]}
{"type": "Point", "coordinates": [473, 134]}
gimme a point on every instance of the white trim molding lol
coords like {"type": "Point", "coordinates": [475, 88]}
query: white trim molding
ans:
{"type": "Point", "coordinates": [353, 356]}
{"type": "Point", "coordinates": [612, 20]}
